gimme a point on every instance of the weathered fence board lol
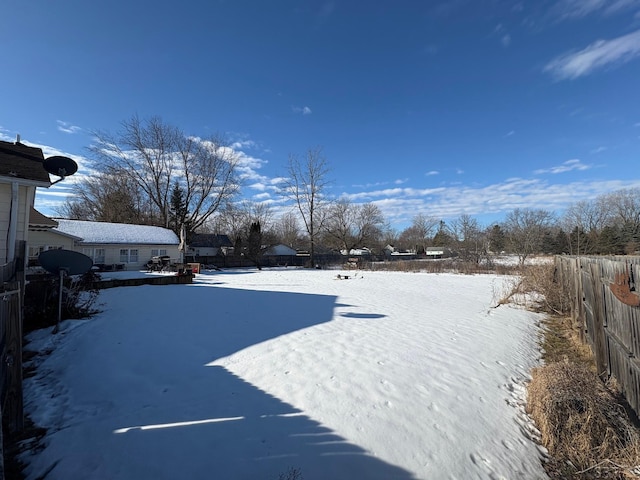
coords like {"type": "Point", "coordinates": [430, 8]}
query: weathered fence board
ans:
{"type": "Point", "coordinates": [608, 321]}
{"type": "Point", "coordinates": [11, 359]}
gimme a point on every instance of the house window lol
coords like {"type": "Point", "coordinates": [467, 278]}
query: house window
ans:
{"type": "Point", "coordinates": [128, 255]}
{"type": "Point", "coordinates": [158, 252]}
{"type": "Point", "coordinates": [34, 252]}
{"type": "Point", "coordinates": [96, 254]}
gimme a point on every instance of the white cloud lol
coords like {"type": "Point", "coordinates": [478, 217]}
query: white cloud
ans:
{"type": "Point", "coordinates": [66, 127]}
{"type": "Point", "coordinates": [572, 9]}
{"type": "Point", "coordinates": [510, 133]}
{"type": "Point", "coordinates": [243, 144]}
{"type": "Point", "coordinates": [506, 40]}
{"type": "Point", "coordinates": [432, 172]}
{"type": "Point", "coordinates": [302, 110]}
{"type": "Point", "coordinates": [598, 55]}
{"type": "Point", "coordinates": [495, 200]}
{"type": "Point", "coordinates": [568, 166]}
{"type": "Point", "coordinates": [598, 150]}
{"type": "Point", "coordinates": [262, 196]}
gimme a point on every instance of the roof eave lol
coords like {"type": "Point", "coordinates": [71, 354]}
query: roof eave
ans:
{"type": "Point", "coordinates": [24, 181]}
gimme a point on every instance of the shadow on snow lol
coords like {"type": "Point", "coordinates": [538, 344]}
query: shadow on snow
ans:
{"type": "Point", "coordinates": [159, 409]}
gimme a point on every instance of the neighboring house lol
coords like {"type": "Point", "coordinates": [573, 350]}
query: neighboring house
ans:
{"type": "Point", "coordinates": [204, 246]}
{"type": "Point", "coordinates": [42, 236]}
{"type": "Point", "coordinates": [279, 255]}
{"type": "Point", "coordinates": [279, 251]}
{"type": "Point", "coordinates": [114, 246]}
{"type": "Point", "coordinates": [439, 252]}
{"type": "Point", "coordinates": [21, 172]}
{"type": "Point", "coordinates": [359, 252]}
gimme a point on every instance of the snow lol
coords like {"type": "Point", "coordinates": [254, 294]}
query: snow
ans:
{"type": "Point", "coordinates": [245, 374]}
{"type": "Point", "coordinates": [105, 232]}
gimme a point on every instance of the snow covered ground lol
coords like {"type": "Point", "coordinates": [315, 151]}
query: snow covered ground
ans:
{"type": "Point", "coordinates": [247, 374]}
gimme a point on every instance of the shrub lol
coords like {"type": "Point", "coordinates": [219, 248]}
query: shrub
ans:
{"type": "Point", "coordinates": [41, 299]}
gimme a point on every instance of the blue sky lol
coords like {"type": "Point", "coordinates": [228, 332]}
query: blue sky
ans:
{"type": "Point", "coordinates": [435, 107]}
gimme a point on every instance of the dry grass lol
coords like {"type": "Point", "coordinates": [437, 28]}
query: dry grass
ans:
{"type": "Point", "coordinates": [561, 341]}
{"type": "Point", "coordinates": [585, 430]}
{"type": "Point", "coordinates": [582, 422]}
{"type": "Point", "coordinates": [449, 265]}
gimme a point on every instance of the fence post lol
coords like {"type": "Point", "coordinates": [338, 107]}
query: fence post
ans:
{"type": "Point", "coordinates": [599, 321]}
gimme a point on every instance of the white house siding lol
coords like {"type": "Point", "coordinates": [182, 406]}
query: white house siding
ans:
{"type": "Point", "coordinates": [41, 240]}
{"type": "Point", "coordinates": [112, 253]}
{"type": "Point", "coordinates": [25, 200]}
{"type": "Point", "coordinates": [5, 206]}
{"type": "Point", "coordinates": [204, 251]}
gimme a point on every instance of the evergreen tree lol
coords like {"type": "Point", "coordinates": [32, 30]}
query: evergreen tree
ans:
{"type": "Point", "coordinates": [496, 239]}
{"type": "Point", "coordinates": [561, 242]}
{"type": "Point", "coordinates": [610, 242]}
{"type": "Point", "coordinates": [254, 244]}
{"type": "Point", "coordinates": [443, 237]}
{"type": "Point", "coordinates": [178, 205]}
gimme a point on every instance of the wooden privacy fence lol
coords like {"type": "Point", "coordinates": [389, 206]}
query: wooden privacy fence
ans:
{"type": "Point", "coordinates": [606, 308]}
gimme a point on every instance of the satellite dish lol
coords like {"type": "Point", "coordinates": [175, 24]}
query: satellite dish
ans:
{"type": "Point", "coordinates": [64, 262]}
{"type": "Point", "coordinates": [68, 261]}
{"type": "Point", "coordinates": [60, 166]}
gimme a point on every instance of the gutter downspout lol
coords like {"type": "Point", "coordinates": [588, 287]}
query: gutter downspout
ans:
{"type": "Point", "coordinates": [13, 224]}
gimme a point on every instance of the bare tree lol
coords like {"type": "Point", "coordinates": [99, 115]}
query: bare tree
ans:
{"type": "Point", "coordinates": [350, 225]}
{"type": "Point", "coordinates": [625, 205]}
{"type": "Point", "coordinates": [287, 229]}
{"type": "Point", "coordinates": [525, 229]}
{"type": "Point", "coordinates": [583, 221]}
{"type": "Point", "coordinates": [155, 156]}
{"type": "Point", "coordinates": [469, 238]}
{"type": "Point", "coordinates": [305, 186]}
{"type": "Point", "coordinates": [589, 215]}
{"type": "Point", "coordinates": [108, 197]}
{"type": "Point", "coordinates": [419, 234]}
{"type": "Point", "coordinates": [235, 220]}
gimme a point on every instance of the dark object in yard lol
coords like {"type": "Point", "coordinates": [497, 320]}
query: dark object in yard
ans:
{"type": "Point", "coordinates": [64, 262]}
{"type": "Point", "coordinates": [159, 264]}
{"type": "Point", "coordinates": [73, 263]}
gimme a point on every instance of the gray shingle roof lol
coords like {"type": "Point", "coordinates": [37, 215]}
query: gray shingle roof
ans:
{"type": "Point", "coordinates": [19, 161]}
{"type": "Point", "coordinates": [209, 240]}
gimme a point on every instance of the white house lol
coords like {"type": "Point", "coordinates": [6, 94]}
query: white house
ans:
{"type": "Point", "coordinates": [21, 172]}
{"type": "Point", "coordinates": [112, 246]}
{"type": "Point", "coordinates": [42, 236]}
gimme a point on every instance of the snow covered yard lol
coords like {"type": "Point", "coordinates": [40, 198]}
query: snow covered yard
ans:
{"type": "Point", "coordinates": [245, 374]}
